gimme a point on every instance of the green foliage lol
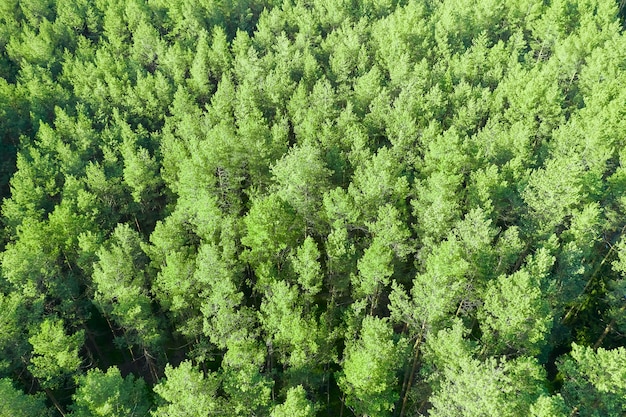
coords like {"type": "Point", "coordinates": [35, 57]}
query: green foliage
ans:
{"type": "Point", "coordinates": [553, 192]}
{"type": "Point", "coordinates": [549, 406]}
{"type": "Point", "coordinates": [273, 230]}
{"type": "Point", "coordinates": [307, 267]}
{"type": "Point", "coordinates": [516, 317]}
{"type": "Point", "coordinates": [14, 316]}
{"type": "Point", "coordinates": [247, 390]}
{"type": "Point", "coordinates": [302, 180]}
{"type": "Point", "coordinates": [294, 334]}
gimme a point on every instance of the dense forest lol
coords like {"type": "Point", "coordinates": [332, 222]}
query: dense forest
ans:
{"type": "Point", "coordinates": [298, 208]}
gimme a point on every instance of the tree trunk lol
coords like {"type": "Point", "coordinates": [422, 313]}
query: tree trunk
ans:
{"type": "Point", "coordinates": [416, 354]}
{"type": "Point", "coordinates": [151, 366]}
{"type": "Point", "coordinates": [92, 340]}
{"type": "Point", "coordinates": [608, 328]}
{"type": "Point", "coordinates": [54, 401]}
{"type": "Point", "coordinates": [576, 306]}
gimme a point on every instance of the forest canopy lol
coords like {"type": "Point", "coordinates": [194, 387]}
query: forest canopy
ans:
{"type": "Point", "coordinates": [308, 208]}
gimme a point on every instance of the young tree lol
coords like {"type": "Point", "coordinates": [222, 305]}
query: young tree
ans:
{"type": "Point", "coordinates": [16, 313]}
{"type": "Point", "coordinates": [221, 302]}
{"type": "Point", "coordinates": [552, 193]}
{"type": "Point", "coordinates": [291, 332]}
{"type": "Point", "coordinates": [375, 271]}
{"type": "Point", "coordinates": [308, 269]}
{"type": "Point", "coordinates": [273, 230]}
{"type": "Point", "coordinates": [200, 81]}
{"type": "Point", "coordinates": [141, 170]}
{"type": "Point", "coordinates": [616, 297]}
{"type": "Point", "coordinates": [379, 181]}
{"type": "Point", "coordinates": [436, 206]}
{"type": "Point", "coordinates": [247, 390]}
{"type": "Point", "coordinates": [549, 406]}
{"type": "Point", "coordinates": [178, 292]}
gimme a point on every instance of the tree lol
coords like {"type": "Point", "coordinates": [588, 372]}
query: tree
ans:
{"type": "Point", "coordinates": [247, 390]}
{"type": "Point", "coordinates": [107, 394]}
{"type": "Point", "coordinates": [437, 206]}
{"type": "Point", "coordinates": [441, 288]}
{"type": "Point", "coordinates": [516, 315]}
{"type": "Point", "coordinates": [16, 313]}
{"type": "Point", "coordinates": [14, 121]}
{"type": "Point", "coordinates": [296, 405]}
{"type": "Point", "coordinates": [16, 403]}
{"type": "Point", "coordinates": [615, 296]}
{"type": "Point", "coordinates": [200, 80]}
{"type": "Point", "coordinates": [221, 304]}
{"type": "Point", "coordinates": [122, 290]}
{"type": "Point", "coordinates": [594, 381]}
{"type": "Point", "coordinates": [302, 179]}
{"type": "Point", "coordinates": [178, 292]}
{"type": "Point", "coordinates": [140, 169]}
{"type": "Point", "coordinates": [55, 354]}
{"type": "Point", "coordinates": [308, 269]}
{"type": "Point", "coordinates": [273, 229]}
{"type": "Point", "coordinates": [79, 16]}
{"type": "Point", "coordinates": [291, 332]}
{"type": "Point", "coordinates": [369, 367]}
{"type": "Point", "coordinates": [44, 94]}
{"type": "Point", "coordinates": [375, 270]}
{"type": "Point", "coordinates": [377, 182]}
{"type": "Point", "coordinates": [465, 385]}
{"type": "Point", "coordinates": [552, 193]}
{"type": "Point", "coordinates": [549, 406]}
{"type": "Point", "coordinates": [391, 230]}
{"type": "Point", "coordinates": [309, 110]}
{"type": "Point", "coordinates": [32, 185]}
{"type": "Point", "coordinates": [30, 263]}
{"type": "Point", "coordinates": [186, 391]}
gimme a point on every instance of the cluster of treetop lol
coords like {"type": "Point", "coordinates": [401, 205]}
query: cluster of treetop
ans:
{"type": "Point", "coordinates": [312, 208]}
